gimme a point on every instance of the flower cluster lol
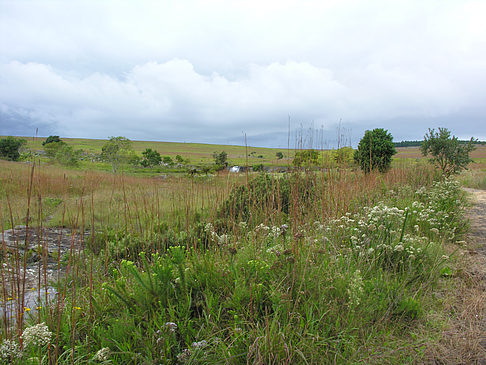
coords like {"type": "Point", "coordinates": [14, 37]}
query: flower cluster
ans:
{"type": "Point", "coordinates": [355, 288]}
{"type": "Point", "coordinates": [37, 335]}
{"type": "Point", "coordinates": [102, 354]}
{"type": "Point", "coordinates": [9, 352]}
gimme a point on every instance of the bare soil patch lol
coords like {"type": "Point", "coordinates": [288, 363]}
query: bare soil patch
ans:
{"type": "Point", "coordinates": [464, 340]}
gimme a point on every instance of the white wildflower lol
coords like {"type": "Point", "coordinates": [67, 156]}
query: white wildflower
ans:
{"type": "Point", "coordinates": [355, 289]}
{"type": "Point", "coordinates": [434, 230]}
{"type": "Point", "coordinates": [242, 225]}
{"type": "Point", "coordinates": [398, 248]}
{"type": "Point", "coordinates": [102, 354]}
{"type": "Point", "coordinates": [38, 335]}
{"type": "Point", "coordinates": [9, 352]}
{"type": "Point", "coordinates": [445, 257]}
{"type": "Point", "coordinates": [208, 228]}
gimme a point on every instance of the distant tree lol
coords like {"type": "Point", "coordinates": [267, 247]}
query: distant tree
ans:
{"type": "Point", "coordinates": [448, 153]}
{"type": "Point", "coordinates": [51, 139]}
{"type": "Point", "coordinates": [151, 158]}
{"type": "Point", "coordinates": [306, 158]}
{"type": "Point", "coordinates": [116, 150]}
{"type": "Point", "coordinates": [168, 161]}
{"type": "Point", "coordinates": [375, 150]}
{"type": "Point", "coordinates": [220, 160]}
{"type": "Point", "coordinates": [10, 148]}
{"type": "Point", "coordinates": [279, 155]}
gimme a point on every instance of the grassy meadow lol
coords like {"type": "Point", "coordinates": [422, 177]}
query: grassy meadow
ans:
{"type": "Point", "coordinates": [322, 266]}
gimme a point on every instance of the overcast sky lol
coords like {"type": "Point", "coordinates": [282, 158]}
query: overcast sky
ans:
{"type": "Point", "coordinates": [210, 71]}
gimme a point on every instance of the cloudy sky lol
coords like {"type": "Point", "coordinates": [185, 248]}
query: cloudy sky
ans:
{"type": "Point", "coordinates": [211, 71]}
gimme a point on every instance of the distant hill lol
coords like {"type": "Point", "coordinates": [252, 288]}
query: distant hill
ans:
{"type": "Point", "coordinates": [418, 143]}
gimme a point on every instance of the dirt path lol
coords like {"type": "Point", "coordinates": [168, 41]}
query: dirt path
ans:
{"type": "Point", "coordinates": [477, 248]}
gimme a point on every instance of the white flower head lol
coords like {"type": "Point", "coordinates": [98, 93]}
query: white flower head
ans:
{"type": "Point", "coordinates": [102, 354]}
{"type": "Point", "coordinates": [9, 352]}
{"type": "Point", "coordinates": [37, 335]}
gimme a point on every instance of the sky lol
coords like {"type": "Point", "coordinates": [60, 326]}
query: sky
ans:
{"type": "Point", "coordinates": [282, 73]}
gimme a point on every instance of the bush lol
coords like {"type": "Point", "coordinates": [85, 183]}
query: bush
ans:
{"type": "Point", "coordinates": [150, 158]}
{"type": "Point", "coordinates": [10, 148]}
{"type": "Point", "coordinates": [265, 193]}
{"type": "Point", "coordinates": [375, 150]}
{"type": "Point", "coordinates": [51, 139]}
{"type": "Point", "coordinates": [258, 167]}
{"type": "Point", "coordinates": [448, 153]}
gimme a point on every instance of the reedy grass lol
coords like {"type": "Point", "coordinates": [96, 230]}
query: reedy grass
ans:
{"type": "Point", "coordinates": [264, 293]}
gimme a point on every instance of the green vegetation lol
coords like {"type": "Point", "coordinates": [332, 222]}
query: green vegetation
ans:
{"type": "Point", "coordinates": [220, 160]}
{"type": "Point", "coordinates": [51, 139]}
{"type": "Point", "coordinates": [448, 153]}
{"type": "Point", "coordinates": [306, 158]}
{"type": "Point", "coordinates": [375, 151]}
{"type": "Point", "coordinates": [317, 265]}
{"type": "Point", "coordinates": [150, 158]}
{"type": "Point", "coordinates": [10, 148]}
{"type": "Point", "coordinates": [116, 151]}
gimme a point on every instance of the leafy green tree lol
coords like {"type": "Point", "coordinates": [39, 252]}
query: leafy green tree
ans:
{"type": "Point", "coordinates": [10, 148]}
{"type": "Point", "coordinates": [151, 158]}
{"type": "Point", "coordinates": [448, 153]}
{"type": "Point", "coordinates": [375, 150]}
{"type": "Point", "coordinates": [116, 150]}
{"type": "Point", "coordinates": [279, 155]}
{"type": "Point", "coordinates": [220, 160]}
{"type": "Point", "coordinates": [51, 139]}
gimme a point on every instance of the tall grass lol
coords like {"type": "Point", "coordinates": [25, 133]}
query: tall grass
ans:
{"type": "Point", "coordinates": [328, 266]}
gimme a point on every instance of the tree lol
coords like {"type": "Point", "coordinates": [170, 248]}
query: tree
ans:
{"type": "Point", "coordinates": [151, 158]}
{"type": "Point", "coordinates": [10, 148]}
{"type": "Point", "coordinates": [279, 155]}
{"type": "Point", "coordinates": [375, 150]}
{"type": "Point", "coordinates": [343, 155]}
{"type": "Point", "coordinates": [220, 160]}
{"type": "Point", "coordinates": [116, 151]}
{"type": "Point", "coordinates": [448, 153]}
{"type": "Point", "coordinates": [51, 139]}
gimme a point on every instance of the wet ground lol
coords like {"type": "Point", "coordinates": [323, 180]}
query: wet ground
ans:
{"type": "Point", "coordinates": [44, 252]}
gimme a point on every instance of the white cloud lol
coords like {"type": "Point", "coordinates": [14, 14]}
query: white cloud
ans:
{"type": "Point", "coordinates": [207, 70]}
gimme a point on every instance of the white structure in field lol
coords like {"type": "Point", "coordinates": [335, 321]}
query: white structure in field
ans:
{"type": "Point", "coordinates": [234, 169]}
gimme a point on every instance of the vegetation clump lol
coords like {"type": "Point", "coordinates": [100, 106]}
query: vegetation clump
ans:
{"type": "Point", "coordinates": [10, 148]}
{"type": "Point", "coordinates": [375, 151]}
{"type": "Point", "coordinates": [448, 153]}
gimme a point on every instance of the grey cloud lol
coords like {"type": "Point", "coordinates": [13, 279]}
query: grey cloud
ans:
{"type": "Point", "coordinates": [208, 70]}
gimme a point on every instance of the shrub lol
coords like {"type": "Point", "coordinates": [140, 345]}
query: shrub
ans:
{"type": "Point", "coordinates": [448, 153]}
{"type": "Point", "coordinates": [10, 148]}
{"type": "Point", "coordinates": [375, 150]}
